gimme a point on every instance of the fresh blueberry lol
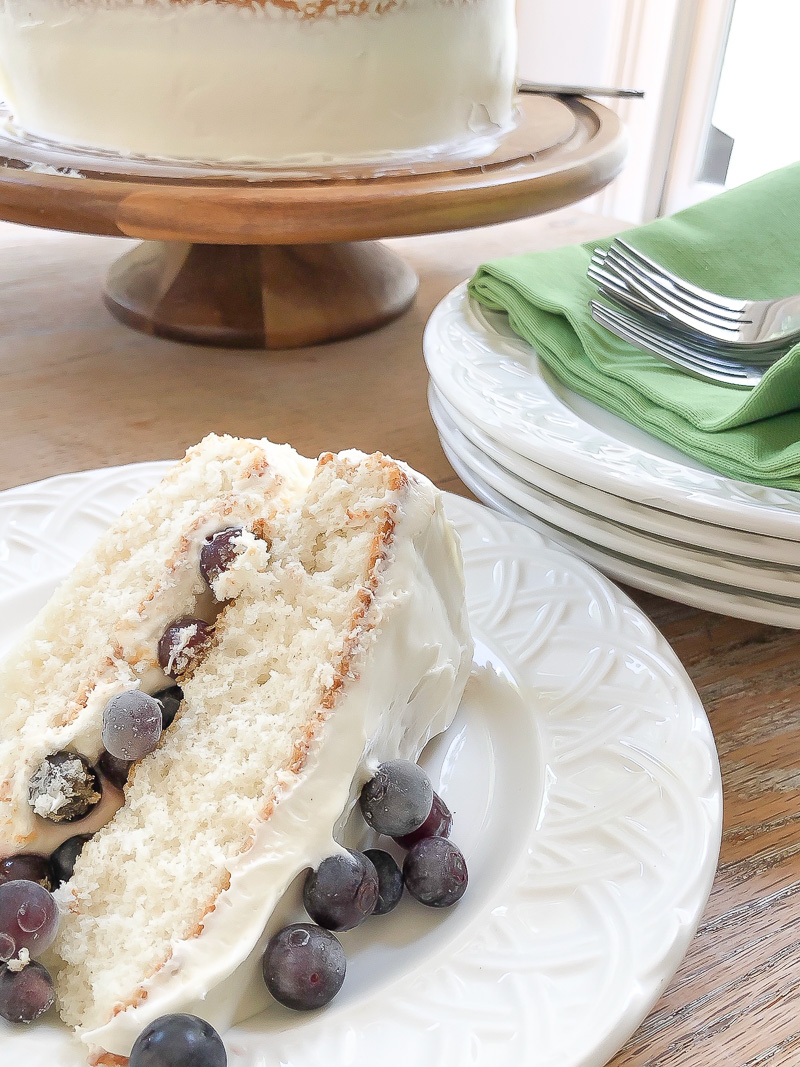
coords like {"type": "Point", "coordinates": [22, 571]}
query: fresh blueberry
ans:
{"type": "Point", "coordinates": [390, 880]}
{"type": "Point", "coordinates": [25, 994]}
{"type": "Point", "coordinates": [342, 892]}
{"type": "Point", "coordinates": [178, 1041]}
{"type": "Point", "coordinates": [217, 554]}
{"type": "Point", "coordinates": [170, 700]}
{"type": "Point", "coordinates": [182, 644]}
{"type": "Point", "coordinates": [304, 967]}
{"type": "Point", "coordinates": [438, 824]}
{"type": "Point", "coordinates": [435, 872]}
{"type": "Point", "coordinates": [63, 859]}
{"type": "Point", "coordinates": [131, 724]}
{"type": "Point", "coordinates": [398, 799]}
{"type": "Point", "coordinates": [27, 866]}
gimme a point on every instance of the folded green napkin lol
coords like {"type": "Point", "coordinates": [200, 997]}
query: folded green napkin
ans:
{"type": "Point", "coordinates": [742, 243]}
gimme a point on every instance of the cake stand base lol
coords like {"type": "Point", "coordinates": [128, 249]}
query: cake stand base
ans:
{"type": "Point", "coordinates": [265, 259]}
{"type": "Point", "coordinates": [259, 296]}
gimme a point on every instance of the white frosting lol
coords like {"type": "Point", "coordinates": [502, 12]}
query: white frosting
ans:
{"type": "Point", "coordinates": [409, 684]}
{"type": "Point", "coordinates": [234, 82]}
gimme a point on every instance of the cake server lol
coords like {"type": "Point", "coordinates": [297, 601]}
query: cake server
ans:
{"type": "Point", "coordinates": [575, 90]}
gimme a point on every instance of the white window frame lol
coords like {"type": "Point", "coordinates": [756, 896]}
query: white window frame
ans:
{"type": "Point", "coordinates": [668, 129]}
{"type": "Point", "coordinates": [673, 50]}
{"type": "Point", "coordinates": [708, 26]}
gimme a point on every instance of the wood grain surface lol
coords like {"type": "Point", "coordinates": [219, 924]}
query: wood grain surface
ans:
{"type": "Point", "coordinates": [259, 296]}
{"type": "Point", "coordinates": [79, 390]}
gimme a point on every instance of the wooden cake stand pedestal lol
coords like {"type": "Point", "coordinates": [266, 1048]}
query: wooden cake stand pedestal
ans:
{"type": "Point", "coordinates": [253, 259]}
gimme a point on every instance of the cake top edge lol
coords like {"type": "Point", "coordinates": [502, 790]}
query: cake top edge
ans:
{"type": "Point", "coordinates": [300, 9]}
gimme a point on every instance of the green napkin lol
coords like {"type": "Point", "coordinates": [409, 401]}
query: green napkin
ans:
{"type": "Point", "coordinates": [742, 243]}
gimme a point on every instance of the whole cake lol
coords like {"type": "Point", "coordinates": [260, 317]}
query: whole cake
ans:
{"type": "Point", "coordinates": [273, 81]}
{"type": "Point", "coordinates": [312, 617]}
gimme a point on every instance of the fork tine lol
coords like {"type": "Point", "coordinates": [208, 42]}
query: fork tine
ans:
{"type": "Point", "coordinates": [610, 285]}
{"type": "Point", "coordinates": [724, 303]}
{"type": "Point", "coordinates": [727, 373]}
{"type": "Point", "coordinates": [614, 288]}
{"type": "Point", "coordinates": [702, 358]}
{"type": "Point", "coordinates": [617, 261]}
{"type": "Point", "coordinates": [639, 282]}
{"type": "Point", "coordinates": [684, 365]}
{"type": "Point", "coordinates": [602, 271]}
{"type": "Point", "coordinates": [735, 379]}
{"type": "Point", "coordinates": [615, 256]}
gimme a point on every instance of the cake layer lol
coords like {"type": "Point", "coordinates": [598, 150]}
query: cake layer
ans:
{"type": "Point", "coordinates": [345, 643]}
{"type": "Point", "coordinates": [332, 82]}
{"type": "Point", "coordinates": [97, 635]}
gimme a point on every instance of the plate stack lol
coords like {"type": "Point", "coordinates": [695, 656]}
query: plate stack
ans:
{"type": "Point", "coordinates": [637, 509]}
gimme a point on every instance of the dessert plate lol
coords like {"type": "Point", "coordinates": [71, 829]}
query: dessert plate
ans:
{"type": "Point", "coordinates": [496, 381]}
{"type": "Point", "coordinates": [711, 596]}
{"type": "Point", "coordinates": [686, 531]}
{"type": "Point", "coordinates": [647, 548]}
{"type": "Point", "coordinates": [585, 787]}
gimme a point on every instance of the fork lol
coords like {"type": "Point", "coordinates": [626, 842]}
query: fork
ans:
{"type": "Point", "coordinates": [614, 286]}
{"type": "Point", "coordinates": [720, 318]}
{"type": "Point", "coordinates": [692, 361]}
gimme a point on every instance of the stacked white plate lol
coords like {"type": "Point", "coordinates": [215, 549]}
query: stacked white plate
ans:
{"type": "Point", "coordinates": [637, 509]}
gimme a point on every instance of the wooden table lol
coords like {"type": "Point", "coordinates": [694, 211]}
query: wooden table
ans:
{"type": "Point", "coordinates": [78, 390]}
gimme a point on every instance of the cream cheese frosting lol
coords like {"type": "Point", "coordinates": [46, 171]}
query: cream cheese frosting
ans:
{"type": "Point", "coordinates": [409, 683]}
{"type": "Point", "coordinates": [273, 82]}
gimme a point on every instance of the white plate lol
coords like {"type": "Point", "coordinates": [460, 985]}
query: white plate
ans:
{"type": "Point", "coordinates": [774, 611]}
{"type": "Point", "coordinates": [498, 383]}
{"type": "Point", "coordinates": [637, 516]}
{"type": "Point", "coordinates": [648, 549]}
{"type": "Point", "coordinates": [585, 784]}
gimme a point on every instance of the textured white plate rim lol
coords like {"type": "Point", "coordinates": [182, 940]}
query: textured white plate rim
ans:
{"type": "Point", "coordinates": [686, 531]}
{"type": "Point", "coordinates": [649, 549]}
{"type": "Point", "coordinates": [493, 378]}
{"type": "Point", "coordinates": [627, 871]}
{"type": "Point", "coordinates": [772, 611]}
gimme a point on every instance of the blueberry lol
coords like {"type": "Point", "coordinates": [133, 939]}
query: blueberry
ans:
{"type": "Point", "coordinates": [115, 770]}
{"type": "Point", "coordinates": [27, 866]}
{"type": "Point", "coordinates": [398, 799]}
{"type": "Point", "coordinates": [131, 724]}
{"type": "Point", "coordinates": [178, 1041]}
{"type": "Point", "coordinates": [390, 880]}
{"type": "Point", "coordinates": [28, 919]}
{"type": "Point", "coordinates": [304, 967]}
{"type": "Point", "coordinates": [70, 777]}
{"type": "Point", "coordinates": [63, 859]}
{"type": "Point", "coordinates": [438, 824]}
{"type": "Point", "coordinates": [25, 994]}
{"type": "Point", "coordinates": [435, 872]}
{"type": "Point", "coordinates": [342, 892]}
{"type": "Point", "coordinates": [170, 700]}
{"type": "Point", "coordinates": [182, 644]}
{"type": "Point", "coordinates": [217, 554]}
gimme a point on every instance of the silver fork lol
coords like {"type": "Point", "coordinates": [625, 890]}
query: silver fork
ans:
{"type": "Point", "coordinates": [732, 321]}
{"type": "Point", "coordinates": [614, 286]}
{"type": "Point", "coordinates": [699, 364]}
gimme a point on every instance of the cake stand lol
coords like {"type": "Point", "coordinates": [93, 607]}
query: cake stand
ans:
{"type": "Point", "coordinates": [251, 257]}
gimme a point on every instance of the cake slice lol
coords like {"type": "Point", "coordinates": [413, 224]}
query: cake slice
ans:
{"type": "Point", "coordinates": [98, 633]}
{"type": "Point", "coordinates": [342, 641]}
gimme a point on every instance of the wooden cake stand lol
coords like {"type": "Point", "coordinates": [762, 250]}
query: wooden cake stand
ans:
{"type": "Point", "coordinates": [254, 258]}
